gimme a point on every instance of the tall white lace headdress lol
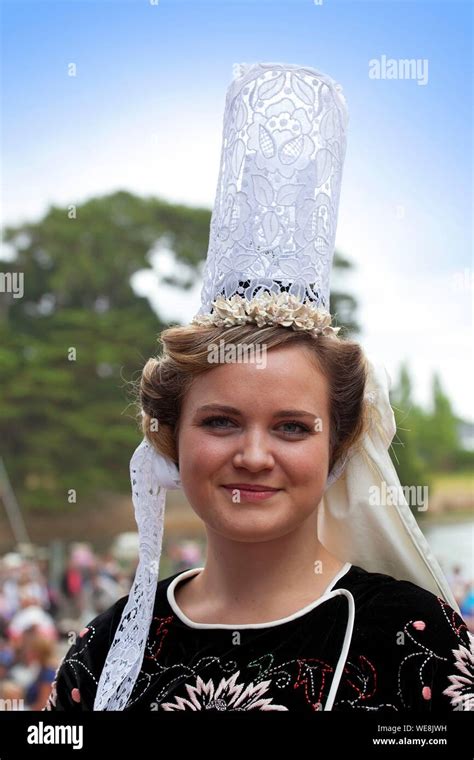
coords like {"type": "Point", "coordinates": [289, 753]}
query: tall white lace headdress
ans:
{"type": "Point", "coordinates": [271, 247]}
{"type": "Point", "coordinates": [273, 224]}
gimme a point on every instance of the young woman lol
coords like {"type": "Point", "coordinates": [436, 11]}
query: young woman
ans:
{"type": "Point", "coordinates": [319, 591]}
{"type": "Point", "coordinates": [274, 621]}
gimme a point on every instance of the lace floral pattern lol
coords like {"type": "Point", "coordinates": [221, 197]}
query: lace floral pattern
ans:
{"type": "Point", "coordinates": [274, 221]}
{"type": "Point", "coordinates": [125, 656]}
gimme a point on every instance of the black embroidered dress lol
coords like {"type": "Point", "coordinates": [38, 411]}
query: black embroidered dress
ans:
{"type": "Point", "coordinates": [370, 643]}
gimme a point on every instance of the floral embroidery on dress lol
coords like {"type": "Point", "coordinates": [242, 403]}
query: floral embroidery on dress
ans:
{"type": "Point", "coordinates": [461, 690]}
{"type": "Point", "coordinates": [228, 695]}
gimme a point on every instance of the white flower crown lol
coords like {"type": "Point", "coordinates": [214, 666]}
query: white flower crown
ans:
{"type": "Point", "coordinates": [268, 309]}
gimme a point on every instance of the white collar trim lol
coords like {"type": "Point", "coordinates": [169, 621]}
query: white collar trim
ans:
{"type": "Point", "coordinates": [271, 624]}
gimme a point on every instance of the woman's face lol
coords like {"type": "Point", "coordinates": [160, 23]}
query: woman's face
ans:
{"type": "Point", "coordinates": [257, 442]}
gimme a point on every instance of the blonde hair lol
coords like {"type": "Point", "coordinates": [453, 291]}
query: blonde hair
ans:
{"type": "Point", "coordinates": [166, 379]}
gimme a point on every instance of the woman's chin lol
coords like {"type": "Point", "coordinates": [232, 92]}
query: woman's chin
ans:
{"type": "Point", "coordinates": [250, 525]}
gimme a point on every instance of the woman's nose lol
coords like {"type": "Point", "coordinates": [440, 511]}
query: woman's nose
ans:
{"type": "Point", "coordinates": [254, 452]}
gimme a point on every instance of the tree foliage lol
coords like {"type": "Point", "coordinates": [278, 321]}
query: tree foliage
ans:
{"type": "Point", "coordinates": [427, 440]}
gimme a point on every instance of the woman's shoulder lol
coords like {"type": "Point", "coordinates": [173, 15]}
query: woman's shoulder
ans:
{"type": "Point", "coordinates": [384, 590]}
{"type": "Point", "coordinates": [386, 596]}
{"type": "Point", "coordinates": [77, 676]}
{"type": "Point", "coordinates": [409, 623]}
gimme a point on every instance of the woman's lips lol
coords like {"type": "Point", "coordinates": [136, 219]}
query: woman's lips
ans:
{"type": "Point", "coordinates": [251, 495]}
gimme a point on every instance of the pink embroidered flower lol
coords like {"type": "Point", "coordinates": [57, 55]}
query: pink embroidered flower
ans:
{"type": "Point", "coordinates": [420, 625]}
{"type": "Point", "coordinates": [228, 695]}
{"type": "Point", "coordinates": [461, 690]}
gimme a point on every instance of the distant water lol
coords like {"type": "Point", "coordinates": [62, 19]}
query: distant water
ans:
{"type": "Point", "coordinates": [453, 544]}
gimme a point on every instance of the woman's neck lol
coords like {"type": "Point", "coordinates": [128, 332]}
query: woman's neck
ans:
{"type": "Point", "coordinates": [244, 582]}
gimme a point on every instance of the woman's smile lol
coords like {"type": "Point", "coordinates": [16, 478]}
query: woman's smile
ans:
{"type": "Point", "coordinates": [251, 493]}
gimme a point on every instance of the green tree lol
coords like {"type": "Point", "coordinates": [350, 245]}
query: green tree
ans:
{"type": "Point", "coordinates": [438, 437]}
{"type": "Point", "coordinates": [341, 304]}
{"type": "Point", "coordinates": [411, 467]}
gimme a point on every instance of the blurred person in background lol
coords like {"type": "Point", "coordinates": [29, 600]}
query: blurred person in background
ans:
{"type": "Point", "coordinates": [72, 589]}
{"type": "Point", "coordinates": [30, 614]}
{"type": "Point", "coordinates": [40, 654]}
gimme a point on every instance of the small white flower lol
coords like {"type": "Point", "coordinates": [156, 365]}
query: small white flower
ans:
{"type": "Point", "coordinates": [269, 309]}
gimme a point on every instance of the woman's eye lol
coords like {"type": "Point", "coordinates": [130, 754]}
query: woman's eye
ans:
{"type": "Point", "coordinates": [210, 420]}
{"type": "Point", "coordinates": [220, 423]}
{"type": "Point", "coordinates": [302, 428]}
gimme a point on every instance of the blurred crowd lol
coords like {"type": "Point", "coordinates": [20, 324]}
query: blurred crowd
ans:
{"type": "Point", "coordinates": [463, 590]}
{"type": "Point", "coordinates": [40, 615]}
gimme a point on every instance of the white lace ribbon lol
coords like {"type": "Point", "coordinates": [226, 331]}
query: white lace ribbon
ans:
{"type": "Point", "coordinates": [151, 475]}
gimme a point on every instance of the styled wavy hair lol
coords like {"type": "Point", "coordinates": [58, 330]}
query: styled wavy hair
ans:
{"type": "Point", "coordinates": [166, 379]}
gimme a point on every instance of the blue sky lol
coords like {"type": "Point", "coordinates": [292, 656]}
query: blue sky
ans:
{"type": "Point", "coordinates": [144, 113]}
